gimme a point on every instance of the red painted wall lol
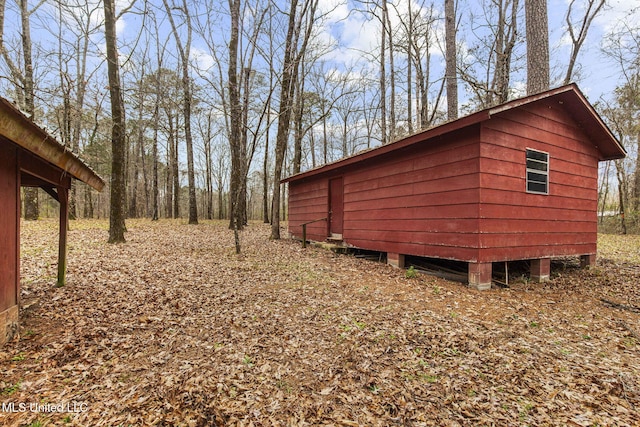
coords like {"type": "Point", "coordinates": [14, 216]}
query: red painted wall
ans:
{"type": "Point", "coordinates": [9, 226]}
{"type": "Point", "coordinates": [424, 201]}
{"type": "Point", "coordinates": [519, 225]}
{"type": "Point", "coordinates": [421, 201]}
{"type": "Point", "coordinates": [463, 195]}
{"type": "Point", "coordinates": [309, 201]}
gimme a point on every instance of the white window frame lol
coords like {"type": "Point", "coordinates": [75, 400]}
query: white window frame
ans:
{"type": "Point", "coordinates": [537, 171]}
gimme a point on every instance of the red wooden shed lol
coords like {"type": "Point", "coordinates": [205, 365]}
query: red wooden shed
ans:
{"type": "Point", "coordinates": [514, 182]}
{"type": "Point", "coordinates": [29, 157]}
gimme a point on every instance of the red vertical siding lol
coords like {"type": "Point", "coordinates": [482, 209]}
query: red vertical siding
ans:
{"type": "Point", "coordinates": [515, 224]}
{"type": "Point", "coordinates": [9, 225]}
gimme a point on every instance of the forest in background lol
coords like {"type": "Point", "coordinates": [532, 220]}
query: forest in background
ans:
{"type": "Point", "coordinates": [221, 100]}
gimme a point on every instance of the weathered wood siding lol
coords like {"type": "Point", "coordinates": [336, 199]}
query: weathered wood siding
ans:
{"type": "Point", "coordinates": [309, 201]}
{"type": "Point", "coordinates": [515, 224]}
{"type": "Point", "coordinates": [9, 228]}
{"type": "Point", "coordinates": [422, 201]}
{"type": "Point", "coordinates": [459, 191]}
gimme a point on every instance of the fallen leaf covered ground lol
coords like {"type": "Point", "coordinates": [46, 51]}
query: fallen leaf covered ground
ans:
{"type": "Point", "coordinates": [174, 328]}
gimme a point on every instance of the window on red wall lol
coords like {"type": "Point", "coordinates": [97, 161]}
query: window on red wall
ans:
{"type": "Point", "coordinates": [537, 172]}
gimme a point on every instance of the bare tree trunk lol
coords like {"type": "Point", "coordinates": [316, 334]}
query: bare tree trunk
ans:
{"type": "Point", "coordinates": [265, 166]}
{"type": "Point", "coordinates": [118, 137]}
{"type": "Point", "coordinates": [235, 113]}
{"type": "Point", "coordinates": [64, 122]}
{"type": "Point", "coordinates": [185, 51]}
{"type": "Point", "coordinates": [88, 203]}
{"type": "Point", "coordinates": [424, 79]}
{"type": "Point", "coordinates": [82, 47]}
{"type": "Point", "coordinates": [298, 110]}
{"type": "Point", "coordinates": [208, 138]}
{"type": "Point", "coordinates": [175, 172]}
{"type": "Point", "coordinates": [168, 200]}
{"type": "Point", "coordinates": [286, 93]}
{"type": "Point", "coordinates": [622, 191]}
{"type": "Point", "coordinates": [392, 76]}
{"type": "Point", "coordinates": [505, 42]}
{"type": "Point", "coordinates": [155, 214]}
{"type": "Point", "coordinates": [290, 66]}
{"type": "Point", "coordinates": [325, 136]}
{"type": "Point", "coordinates": [23, 80]}
{"type": "Point", "coordinates": [29, 94]}
{"type": "Point", "coordinates": [451, 74]}
{"type": "Point", "coordinates": [593, 7]}
{"type": "Point", "coordinates": [537, 46]}
{"type": "Point", "coordinates": [133, 200]}
{"type": "Point", "coordinates": [383, 75]}
{"type": "Point", "coordinates": [410, 36]}
{"type": "Point", "coordinates": [221, 203]}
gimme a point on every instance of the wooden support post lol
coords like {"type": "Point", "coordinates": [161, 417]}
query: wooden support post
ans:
{"type": "Point", "coordinates": [587, 261]}
{"type": "Point", "coordinates": [396, 260]}
{"type": "Point", "coordinates": [540, 269]}
{"type": "Point", "coordinates": [480, 274]}
{"type": "Point", "coordinates": [63, 198]}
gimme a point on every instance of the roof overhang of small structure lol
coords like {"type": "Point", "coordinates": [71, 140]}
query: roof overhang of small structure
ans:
{"type": "Point", "coordinates": [44, 162]}
{"type": "Point", "coordinates": [570, 96]}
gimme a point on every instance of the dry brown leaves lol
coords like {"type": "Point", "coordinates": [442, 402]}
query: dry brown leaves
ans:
{"type": "Point", "coordinates": [173, 328]}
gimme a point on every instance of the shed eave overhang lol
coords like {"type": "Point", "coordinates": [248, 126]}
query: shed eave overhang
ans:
{"type": "Point", "coordinates": [577, 105]}
{"type": "Point", "coordinates": [22, 131]}
{"type": "Point", "coordinates": [400, 144]}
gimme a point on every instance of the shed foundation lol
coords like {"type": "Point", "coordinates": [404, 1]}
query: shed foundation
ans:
{"type": "Point", "coordinates": [396, 260]}
{"type": "Point", "coordinates": [587, 261]}
{"type": "Point", "coordinates": [540, 269]}
{"type": "Point", "coordinates": [480, 274]}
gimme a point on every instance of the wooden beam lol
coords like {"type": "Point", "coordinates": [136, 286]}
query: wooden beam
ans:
{"type": "Point", "coordinates": [50, 191]}
{"type": "Point", "coordinates": [63, 196]}
{"type": "Point", "coordinates": [22, 131]}
{"type": "Point", "coordinates": [35, 170]}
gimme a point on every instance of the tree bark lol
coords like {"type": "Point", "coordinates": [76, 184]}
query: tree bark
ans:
{"type": "Point", "coordinates": [235, 121]}
{"type": "Point", "coordinates": [284, 116]}
{"type": "Point", "coordinates": [23, 80]}
{"type": "Point", "coordinates": [383, 75]}
{"type": "Point", "coordinates": [292, 57]}
{"type": "Point", "coordinates": [451, 74]}
{"type": "Point", "coordinates": [392, 76]}
{"type": "Point", "coordinates": [298, 111]}
{"type": "Point", "coordinates": [186, 104]}
{"type": "Point", "coordinates": [410, 35]}
{"type": "Point", "coordinates": [537, 46]}
{"type": "Point", "coordinates": [118, 141]}
{"type": "Point", "coordinates": [505, 43]}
